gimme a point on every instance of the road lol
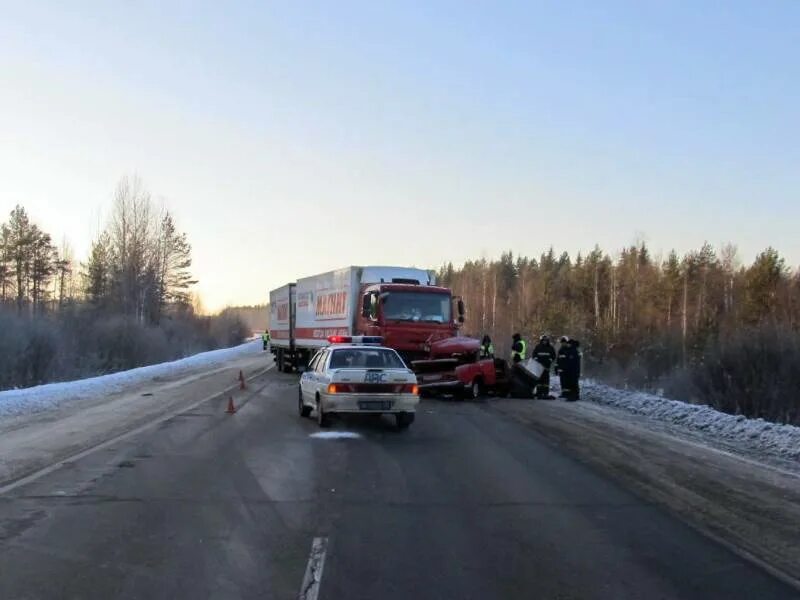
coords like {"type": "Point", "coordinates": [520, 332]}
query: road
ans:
{"type": "Point", "coordinates": [469, 503]}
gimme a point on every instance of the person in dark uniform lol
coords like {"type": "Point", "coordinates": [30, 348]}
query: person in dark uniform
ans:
{"type": "Point", "coordinates": [562, 365]}
{"type": "Point", "coordinates": [487, 347]}
{"type": "Point", "coordinates": [544, 354]}
{"type": "Point", "coordinates": [575, 370]}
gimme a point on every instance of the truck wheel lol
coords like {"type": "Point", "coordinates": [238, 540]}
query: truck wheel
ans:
{"type": "Point", "coordinates": [323, 419]}
{"type": "Point", "coordinates": [287, 364]}
{"type": "Point", "coordinates": [474, 391]}
{"type": "Point", "coordinates": [403, 420]}
{"type": "Point", "coordinates": [304, 410]}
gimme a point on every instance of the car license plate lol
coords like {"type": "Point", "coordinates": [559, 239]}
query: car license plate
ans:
{"type": "Point", "coordinates": [375, 404]}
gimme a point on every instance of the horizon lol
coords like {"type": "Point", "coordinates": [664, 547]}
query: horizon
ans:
{"type": "Point", "coordinates": [658, 256]}
{"type": "Point", "coordinates": [271, 133]}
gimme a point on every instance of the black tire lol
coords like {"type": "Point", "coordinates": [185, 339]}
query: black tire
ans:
{"type": "Point", "coordinates": [323, 418]}
{"type": "Point", "coordinates": [403, 420]}
{"type": "Point", "coordinates": [305, 411]}
{"type": "Point", "coordinates": [474, 391]}
{"type": "Point", "coordinates": [287, 365]}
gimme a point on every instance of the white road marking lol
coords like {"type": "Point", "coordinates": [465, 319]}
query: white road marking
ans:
{"type": "Point", "coordinates": [4, 489]}
{"type": "Point", "coordinates": [313, 577]}
{"type": "Point", "coordinates": [335, 435]}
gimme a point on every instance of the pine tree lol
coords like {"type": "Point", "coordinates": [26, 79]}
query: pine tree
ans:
{"type": "Point", "coordinates": [174, 279]}
{"type": "Point", "coordinates": [762, 281]}
{"type": "Point", "coordinates": [98, 272]}
{"type": "Point", "coordinates": [42, 266]}
{"type": "Point", "coordinates": [6, 264]}
{"type": "Point", "coordinates": [20, 241]}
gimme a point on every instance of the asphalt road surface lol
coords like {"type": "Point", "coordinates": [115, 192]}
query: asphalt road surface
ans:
{"type": "Point", "coordinates": [468, 503]}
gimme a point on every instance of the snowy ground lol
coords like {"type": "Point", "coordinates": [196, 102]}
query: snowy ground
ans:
{"type": "Point", "coordinates": [15, 403]}
{"type": "Point", "coordinates": [782, 441]}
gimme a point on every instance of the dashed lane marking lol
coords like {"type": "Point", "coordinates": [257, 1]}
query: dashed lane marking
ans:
{"type": "Point", "coordinates": [335, 435]}
{"type": "Point", "coordinates": [313, 577]}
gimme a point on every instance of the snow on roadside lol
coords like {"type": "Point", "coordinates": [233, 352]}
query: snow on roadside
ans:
{"type": "Point", "coordinates": [761, 435]}
{"type": "Point", "coordinates": [51, 395]}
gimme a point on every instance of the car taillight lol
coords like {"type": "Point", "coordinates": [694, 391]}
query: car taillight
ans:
{"type": "Point", "coordinates": [411, 388]}
{"type": "Point", "coordinates": [333, 388]}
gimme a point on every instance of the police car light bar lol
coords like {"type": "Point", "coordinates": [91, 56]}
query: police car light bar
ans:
{"type": "Point", "coordinates": [355, 339]}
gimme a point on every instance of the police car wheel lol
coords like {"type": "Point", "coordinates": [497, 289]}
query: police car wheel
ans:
{"type": "Point", "coordinates": [323, 419]}
{"type": "Point", "coordinates": [304, 410]}
{"type": "Point", "coordinates": [403, 420]}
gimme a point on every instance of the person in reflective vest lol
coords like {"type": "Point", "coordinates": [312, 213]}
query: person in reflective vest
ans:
{"type": "Point", "coordinates": [518, 348]}
{"type": "Point", "coordinates": [544, 354]}
{"type": "Point", "coordinates": [487, 347]}
{"type": "Point", "coordinates": [265, 339]}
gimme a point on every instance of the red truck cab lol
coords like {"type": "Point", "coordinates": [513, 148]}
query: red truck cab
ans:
{"type": "Point", "coordinates": [416, 320]}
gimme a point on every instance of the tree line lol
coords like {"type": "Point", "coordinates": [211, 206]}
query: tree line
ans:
{"type": "Point", "coordinates": [700, 326]}
{"type": "Point", "coordinates": [30, 262]}
{"type": "Point", "coordinates": [138, 266]}
{"type": "Point", "coordinates": [256, 317]}
{"type": "Point", "coordinates": [128, 304]}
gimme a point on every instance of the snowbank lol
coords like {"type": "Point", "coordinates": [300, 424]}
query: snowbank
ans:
{"type": "Point", "coordinates": [52, 395]}
{"type": "Point", "coordinates": [761, 435]}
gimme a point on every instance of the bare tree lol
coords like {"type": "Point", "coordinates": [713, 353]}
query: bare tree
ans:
{"type": "Point", "coordinates": [64, 268]}
{"type": "Point", "coordinates": [131, 233]}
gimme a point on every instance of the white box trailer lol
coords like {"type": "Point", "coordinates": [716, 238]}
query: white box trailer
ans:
{"type": "Point", "coordinates": [326, 305]}
{"type": "Point", "coordinates": [281, 315]}
{"type": "Point", "coordinates": [304, 314]}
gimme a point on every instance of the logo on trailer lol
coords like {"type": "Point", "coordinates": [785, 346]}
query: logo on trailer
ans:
{"type": "Point", "coordinates": [303, 300]}
{"type": "Point", "coordinates": [331, 305]}
{"type": "Point", "coordinates": [283, 312]}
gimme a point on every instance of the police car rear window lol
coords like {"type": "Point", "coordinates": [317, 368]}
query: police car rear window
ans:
{"type": "Point", "coordinates": [365, 358]}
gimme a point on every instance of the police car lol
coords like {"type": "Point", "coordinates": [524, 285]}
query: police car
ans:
{"type": "Point", "coordinates": [356, 374]}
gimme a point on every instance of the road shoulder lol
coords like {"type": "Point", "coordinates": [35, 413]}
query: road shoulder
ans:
{"type": "Point", "coordinates": [750, 506]}
{"type": "Point", "coordinates": [34, 441]}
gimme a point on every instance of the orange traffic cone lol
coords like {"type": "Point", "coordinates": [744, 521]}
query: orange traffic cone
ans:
{"type": "Point", "coordinates": [242, 383]}
{"type": "Point", "coordinates": [231, 408]}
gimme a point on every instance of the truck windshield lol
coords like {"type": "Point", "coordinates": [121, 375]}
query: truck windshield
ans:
{"type": "Point", "coordinates": [417, 306]}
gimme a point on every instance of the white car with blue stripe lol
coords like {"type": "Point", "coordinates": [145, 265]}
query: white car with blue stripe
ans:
{"type": "Point", "coordinates": [355, 374]}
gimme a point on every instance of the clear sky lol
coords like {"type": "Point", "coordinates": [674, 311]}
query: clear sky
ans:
{"type": "Point", "coordinates": [296, 137]}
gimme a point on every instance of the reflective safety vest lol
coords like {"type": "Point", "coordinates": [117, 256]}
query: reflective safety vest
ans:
{"type": "Point", "coordinates": [521, 354]}
{"type": "Point", "coordinates": [265, 336]}
{"type": "Point", "coordinates": [487, 350]}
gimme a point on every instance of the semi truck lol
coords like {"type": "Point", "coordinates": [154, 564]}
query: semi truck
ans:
{"type": "Point", "coordinates": [404, 306]}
